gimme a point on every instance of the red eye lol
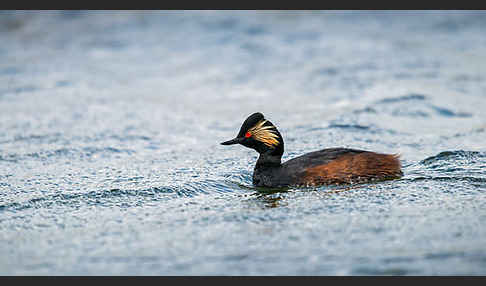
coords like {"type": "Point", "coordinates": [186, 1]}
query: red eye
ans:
{"type": "Point", "coordinates": [247, 135]}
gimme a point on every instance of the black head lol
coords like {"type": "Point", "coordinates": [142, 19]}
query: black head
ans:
{"type": "Point", "coordinates": [259, 134]}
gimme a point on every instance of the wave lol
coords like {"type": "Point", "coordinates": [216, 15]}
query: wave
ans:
{"type": "Point", "coordinates": [414, 105]}
{"type": "Point", "coordinates": [471, 156]}
{"type": "Point", "coordinates": [65, 152]}
{"type": "Point", "coordinates": [408, 97]}
{"type": "Point", "coordinates": [449, 179]}
{"type": "Point", "coordinates": [116, 196]}
{"type": "Point", "coordinates": [465, 167]}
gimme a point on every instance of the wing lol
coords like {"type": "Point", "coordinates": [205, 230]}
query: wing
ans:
{"type": "Point", "coordinates": [320, 157]}
{"type": "Point", "coordinates": [342, 165]}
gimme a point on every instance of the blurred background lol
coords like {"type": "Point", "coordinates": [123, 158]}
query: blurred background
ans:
{"type": "Point", "coordinates": [110, 124]}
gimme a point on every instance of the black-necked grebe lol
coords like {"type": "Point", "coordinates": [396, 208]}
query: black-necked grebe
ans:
{"type": "Point", "coordinates": [327, 166]}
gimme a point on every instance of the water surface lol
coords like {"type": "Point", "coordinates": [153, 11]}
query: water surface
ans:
{"type": "Point", "coordinates": [110, 162]}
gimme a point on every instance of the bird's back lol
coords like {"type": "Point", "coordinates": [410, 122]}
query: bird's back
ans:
{"type": "Point", "coordinates": [340, 165]}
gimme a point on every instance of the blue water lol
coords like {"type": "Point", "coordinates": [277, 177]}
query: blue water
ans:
{"type": "Point", "coordinates": [110, 162]}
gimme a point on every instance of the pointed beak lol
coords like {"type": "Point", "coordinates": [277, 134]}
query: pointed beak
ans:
{"type": "Point", "coordinates": [232, 141]}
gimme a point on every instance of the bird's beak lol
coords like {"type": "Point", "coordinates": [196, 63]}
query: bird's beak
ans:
{"type": "Point", "coordinates": [232, 141]}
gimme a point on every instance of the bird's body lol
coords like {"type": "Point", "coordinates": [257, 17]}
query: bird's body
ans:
{"type": "Point", "coordinates": [327, 166]}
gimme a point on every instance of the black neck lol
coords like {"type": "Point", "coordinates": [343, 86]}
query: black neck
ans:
{"type": "Point", "coordinates": [268, 160]}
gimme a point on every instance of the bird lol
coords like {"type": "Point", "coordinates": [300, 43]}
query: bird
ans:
{"type": "Point", "coordinates": [330, 166]}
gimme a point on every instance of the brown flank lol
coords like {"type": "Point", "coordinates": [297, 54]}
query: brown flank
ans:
{"type": "Point", "coordinates": [357, 168]}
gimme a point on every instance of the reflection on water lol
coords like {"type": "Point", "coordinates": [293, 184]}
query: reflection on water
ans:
{"type": "Point", "coordinates": [270, 200]}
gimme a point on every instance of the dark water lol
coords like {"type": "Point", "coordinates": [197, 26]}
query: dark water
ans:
{"type": "Point", "coordinates": [110, 122]}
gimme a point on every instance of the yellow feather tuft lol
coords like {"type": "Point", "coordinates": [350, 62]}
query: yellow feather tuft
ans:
{"type": "Point", "coordinates": [264, 134]}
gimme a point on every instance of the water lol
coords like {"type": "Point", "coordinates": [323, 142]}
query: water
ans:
{"type": "Point", "coordinates": [110, 162]}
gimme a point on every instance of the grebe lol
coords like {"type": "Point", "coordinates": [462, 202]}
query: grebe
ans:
{"type": "Point", "coordinates": [327, 166]}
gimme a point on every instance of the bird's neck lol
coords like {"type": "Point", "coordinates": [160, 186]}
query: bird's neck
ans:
{"type": "Point", "coordinates": [268, 160]}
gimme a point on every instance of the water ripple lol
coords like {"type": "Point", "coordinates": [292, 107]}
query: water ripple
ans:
{"type": "Point", "coordinates": [455, 157]}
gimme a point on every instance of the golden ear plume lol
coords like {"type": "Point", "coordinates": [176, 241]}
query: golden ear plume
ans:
{"type": "Point", "coordinates": [264, 134]}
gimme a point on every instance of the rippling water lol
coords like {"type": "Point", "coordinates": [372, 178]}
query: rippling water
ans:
{"type": "Point", "coordinates": [110, 162]}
